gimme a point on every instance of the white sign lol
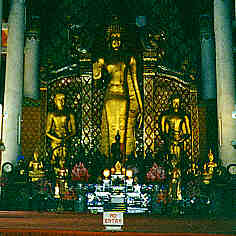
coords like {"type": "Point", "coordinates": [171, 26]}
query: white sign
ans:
{"type": "Point", "coordinates": [113, 218]}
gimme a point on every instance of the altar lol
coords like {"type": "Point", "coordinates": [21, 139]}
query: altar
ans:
{"type": "Point", "coordinates": [118, 130]}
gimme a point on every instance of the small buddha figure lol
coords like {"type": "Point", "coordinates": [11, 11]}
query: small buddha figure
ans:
{"type": "Point", "coordinates": [209, 168]}
{"type": "Point", "coordinates": [193, 170]}
{"type": "Point", "coordinates": [175, 183]}
{"type": "Point", "coordinates": [211, 164]}
{"type": "Point", "coordinates": [116, 152]}
{"type": "Point", "coordinates": [205, 175]}
{"type": "Point", "coordinates": [36, 168]}
{"type": "Point", "coordinates": [60, 171]}
{"type": "Point", "coordinates": [118, 168]}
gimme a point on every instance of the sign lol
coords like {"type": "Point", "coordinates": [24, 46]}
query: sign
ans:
{"type": "Point", "coordinates": [113, 220]}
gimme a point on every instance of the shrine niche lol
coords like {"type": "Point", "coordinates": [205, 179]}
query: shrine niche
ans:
{"type": "Point", "coordinates": [160, 85]}
{"type": "Point", "coordinates": [80, 159]}
{"type": "Point", "coordinates": [155, 48]}
{"type": "Point", "coordinates": [121, 90]}
{"type": "Point", "coordinates": [85, 97]}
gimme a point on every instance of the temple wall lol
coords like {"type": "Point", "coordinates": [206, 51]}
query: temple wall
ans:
{"type": "Point", "coordinates": [203, 146]}
{"type": "Point", "coordinates": [30, 130]}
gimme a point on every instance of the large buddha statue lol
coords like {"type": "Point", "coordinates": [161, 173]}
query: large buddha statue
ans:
{"type": "Point", "coordinates": [175, 129]}
{"type": "Point", "coordinates": [60, 127]}
{"type": "Point", "coordinates": [122, 102]}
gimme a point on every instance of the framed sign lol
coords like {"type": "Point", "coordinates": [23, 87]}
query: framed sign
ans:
{"type": "Point", "coordinates": [113, 220]}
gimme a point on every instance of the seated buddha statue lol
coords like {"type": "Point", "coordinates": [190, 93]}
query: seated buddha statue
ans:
{"type": "Point", "coordinates": [209, 168]}
{"type": "Point", "coordinates": [175, 128]}
{"type": "Point", "coordinates": [211, 164]}
{"type": "Point", "coordinates": [116, 152]}
{"type": "Point", "coordinates": [193, 170]}
{"type": "Point", "coordinates": [36, 168]}
{"type": "Point", "coordinates": [60, 127]}
{"type": "Point", "coordinates": [60, 170]}
{"type": "Point", "coordinates": [118, 168]}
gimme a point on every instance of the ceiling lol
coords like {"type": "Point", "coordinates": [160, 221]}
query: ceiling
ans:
{"type": "Point", "coordinates": [179, 19]}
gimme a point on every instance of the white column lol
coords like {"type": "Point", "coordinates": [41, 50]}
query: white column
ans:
{"type": "Point", "coordinates": [31, 72]}
{"type": "Point", "coordinates": [14, 82]}
{"type": "Point", "coordinates": [208, 71]}
{"type": "Point", "coordinates": [225, 79]}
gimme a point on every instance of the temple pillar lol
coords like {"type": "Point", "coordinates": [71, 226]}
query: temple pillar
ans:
{"type": "Point", "coordinates": [31, 67]}
{"type": "Point", "coordinates": [225, 80]}
{"type": "Point", "coordinates": [14, 82]}
{"type": "Point", "coordinates": [208, 71]}
{"type": "Point", "coordinates": [208, 82]}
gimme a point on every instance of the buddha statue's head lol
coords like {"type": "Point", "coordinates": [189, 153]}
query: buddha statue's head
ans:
{"type": "Point", "coordinates": [175, 103]}
{"type": "Point", "coordinates": [115, 41]}
{"type": "Point", "coordinates": [36, 155]}
{"type": "Point", "coordinates": [210, 156]}
{"type": "Point", "coordinates": [59, 101]}
{"type": "Point", "coordinates": [115, 33]}
{"type": "Point", "coordinates": [117, 137]}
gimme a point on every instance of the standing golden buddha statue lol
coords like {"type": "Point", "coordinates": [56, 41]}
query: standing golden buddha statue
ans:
{"type": "Point", "coordinates": [122, 102]}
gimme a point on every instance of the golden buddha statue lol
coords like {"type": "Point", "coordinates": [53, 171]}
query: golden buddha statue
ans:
{"type": "Point", "coordinates": [209, 168]}
{"type": "Point", "coordinates": [211, 164]}
{"type": "Point", "coordinates": [122, 102]}
{"type": "Point", "coordinates": [175, 183]}
{"type": "Point", "coordinates": [118, 168]}
{"type": "Point", "coordinates": [60, 127]}
{"type": "Point", "coordinates": [35, 168]}
{"type": "Point", "coordinates": [175, 129]}
{"type": "Point", "coordinates": [60, 171]}
{"type": "Point", "coordinates": [193, 170]}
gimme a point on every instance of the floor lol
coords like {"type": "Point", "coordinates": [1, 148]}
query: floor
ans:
{"type": "Point", "coordinates": [86, 222]}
